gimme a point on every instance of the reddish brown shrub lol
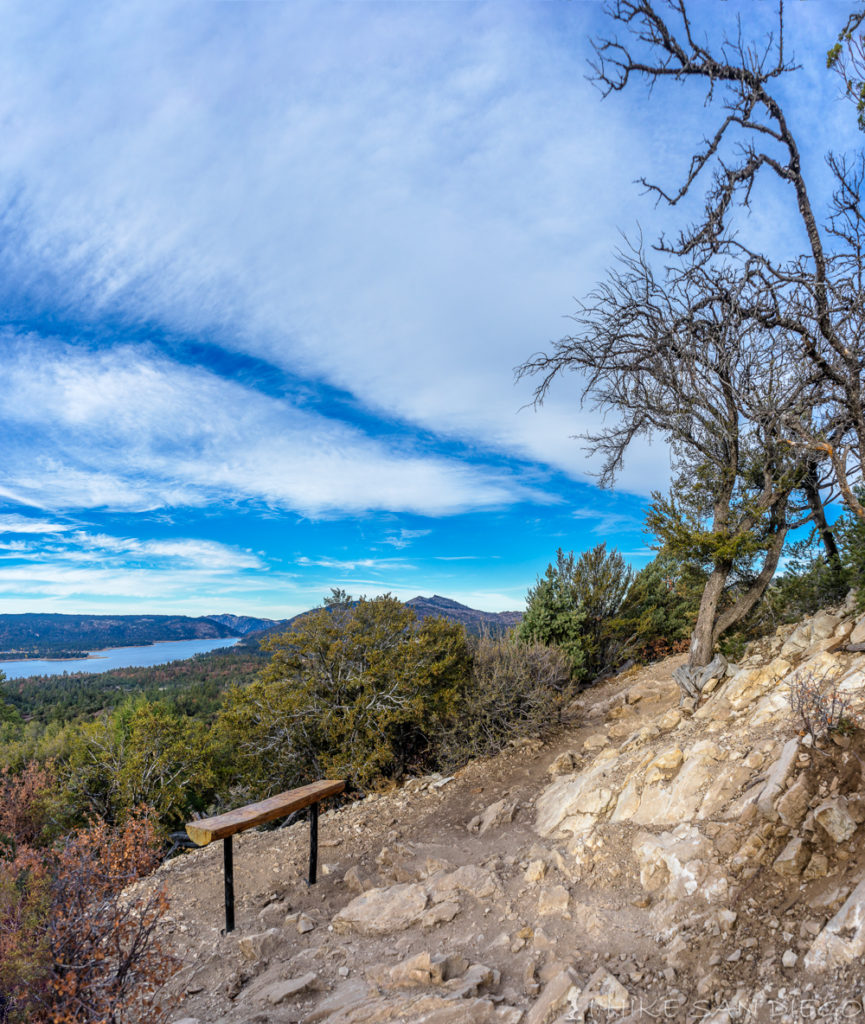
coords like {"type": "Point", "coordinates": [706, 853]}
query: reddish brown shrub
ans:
{"type": "Point", "coordinates": [78, 942]}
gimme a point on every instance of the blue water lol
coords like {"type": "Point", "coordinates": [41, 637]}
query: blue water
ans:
{"type": "Point", "coordinates": [116, 657]}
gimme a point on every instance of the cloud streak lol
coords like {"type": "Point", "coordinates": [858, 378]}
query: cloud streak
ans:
{"type": "Point", "coordinates": [125, 428]}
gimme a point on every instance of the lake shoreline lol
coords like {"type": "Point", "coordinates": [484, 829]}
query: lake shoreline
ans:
{"type": "Point", "coordinates": [107, 658]}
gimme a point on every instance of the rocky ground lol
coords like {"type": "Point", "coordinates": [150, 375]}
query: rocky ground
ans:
{"type": "Point", "coordinates": [653, 862]}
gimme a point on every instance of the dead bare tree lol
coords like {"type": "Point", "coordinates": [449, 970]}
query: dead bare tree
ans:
{"type": "Point", "coordinates": [816, 296]}
{"type": "Point", "coordinates": [683, 356]}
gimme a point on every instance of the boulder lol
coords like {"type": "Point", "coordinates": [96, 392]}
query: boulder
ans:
{"type": "Point", "coordinates": [381, 911]}
{"type": "Point", "coordinates": [749, 684]}
{"type": "Point", "coordinates": [730, 779]}
{"type": "Point", "coordinates": [842, 940]}
{"type": "Point", "coordinates": [681, 863]}
{"type": "Point", "coordinates": [573, 804]}
{"type": "Point", "coordinates": [776, 778]}
{"type": "Point", "coordinates": [678, 801]}
{"type": "Point", "coordinates": [628, 802]}
{"type": "Point", "coordinates": [835, 819]}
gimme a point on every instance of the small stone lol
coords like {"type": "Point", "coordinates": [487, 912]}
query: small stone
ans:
{"type": "Point", "coordinates": [664, 766]}
{"type": "Point", "coordinates": [554, 996]}
{"type": "Point", "coordinates": [353, 880]}
{"type": "Point", "coordinates": [305, 924]}
{"type": "Point", "coordinates": [535, 871]}
{"type": "Point", "coordinates": [818, 866]}
{"type": "Point", "coordinates": [499, 813]}
{"type": "Point", "coordinates": [789, 958]}
{"type": "Point", "coordinates": [792, 858]}
{"type": "Point", "coordinates": [564, 764]}
{"type": "Point", "coordinates": [282, 990]}
{"type": "Point", "coordinates": [553, 900]}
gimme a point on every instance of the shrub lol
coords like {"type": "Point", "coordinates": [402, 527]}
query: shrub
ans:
{"type": "Point", "coordinates": [659, 611]}
{"type": "Point", "coordinates": [570, 606]}
{"type": "Point", "coordinates": [141, 753]}
{"type": "Point", "coordinates": [355, 690]}
{"type": "Point", "coordinates": [515, 689]}
{"type": "Point", "coordinates": [76, 946]}
{"type": "Point", "coordinates": [819, 708]}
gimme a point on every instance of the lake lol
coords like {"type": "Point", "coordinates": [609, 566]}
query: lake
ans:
{"type": "Point", "coordinates": [117, 657]}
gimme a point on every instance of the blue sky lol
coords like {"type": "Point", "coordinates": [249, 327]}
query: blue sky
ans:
{"type": "Point", "coordinates": [266, 270]}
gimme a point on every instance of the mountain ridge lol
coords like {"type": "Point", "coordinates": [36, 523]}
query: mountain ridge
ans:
{"type": "Point", "coordinates": [473, 619]}
{"type": "Point", "coordinates": [35, 634]}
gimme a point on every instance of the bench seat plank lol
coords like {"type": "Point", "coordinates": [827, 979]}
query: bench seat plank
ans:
{"type": "Point", "coordinates": [207, 829]}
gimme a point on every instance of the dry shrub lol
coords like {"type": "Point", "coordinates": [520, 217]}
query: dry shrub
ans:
{"type": "Point", "coordinates": [819, 707]}
{"type": "Point", "coordinates": [515, 689]}
{"type": "Point", "coordinates": [23, 804]}
{"type": "Point", "coordinates": [76, 945]}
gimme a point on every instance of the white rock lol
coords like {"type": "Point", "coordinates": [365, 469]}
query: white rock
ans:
{"type": "Point", "coordinates": [835, 819]}
{"type": "Point", "coordinates": [776, 778]}
{"type": "Point", "coordinates": [842, 940]}
{"type": "Point", "coordinates": [553, 900]}
{"type": "Point", "coordinates": [381, 911]}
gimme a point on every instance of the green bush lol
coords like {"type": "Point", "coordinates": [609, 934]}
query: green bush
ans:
{"type": "Point", "coordinates": [659, 611]}
{"type": "Point", "coordinates": [571, 604]}
{"type": "Point", "coordinates": [356, 690]}
{"type": "Point", "coordinates": [142, 753]}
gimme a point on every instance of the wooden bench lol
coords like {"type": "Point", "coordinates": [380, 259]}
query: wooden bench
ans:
{"type": "Point", "coordinates": [224, 826]}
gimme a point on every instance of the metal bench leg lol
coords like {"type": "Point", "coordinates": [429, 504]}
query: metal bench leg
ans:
{"type": "Point", "coordinates": [229, 884]}
{"type": "Point", "coordinates": [313, 843]}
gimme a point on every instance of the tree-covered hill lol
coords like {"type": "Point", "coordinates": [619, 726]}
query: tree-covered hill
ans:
{"type": "Point", "coordinates": [34, 634]}
{"type": "Point", "coordinates": [473, 620]}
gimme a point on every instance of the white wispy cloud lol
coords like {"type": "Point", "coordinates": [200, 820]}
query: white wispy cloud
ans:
{"type": "Point", "coordinates": [353, 564]}
{"type": "Point", "coordinates": [312, 203]}
{"type": "Point", "coordinates": [14, 523]}
{"type": "Point", "coordinates": [126, 428]}
{"type": "Point", "coordinates": [405, 537]}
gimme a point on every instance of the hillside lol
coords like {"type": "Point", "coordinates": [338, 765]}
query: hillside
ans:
{"type": "Point", "coordinates": [653, 862]}
{"type": "Point", "coordinates": [240, 625]}
{"type": "Point", "coordinates": [39, 635]}
{"type": "Point", "coordinates": [474, 621]}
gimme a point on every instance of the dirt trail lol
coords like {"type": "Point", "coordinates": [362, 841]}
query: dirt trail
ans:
{"type": "Point", "coordinates": [411, 825]}
{"type": "Point", "coordinates": [648, 860]}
